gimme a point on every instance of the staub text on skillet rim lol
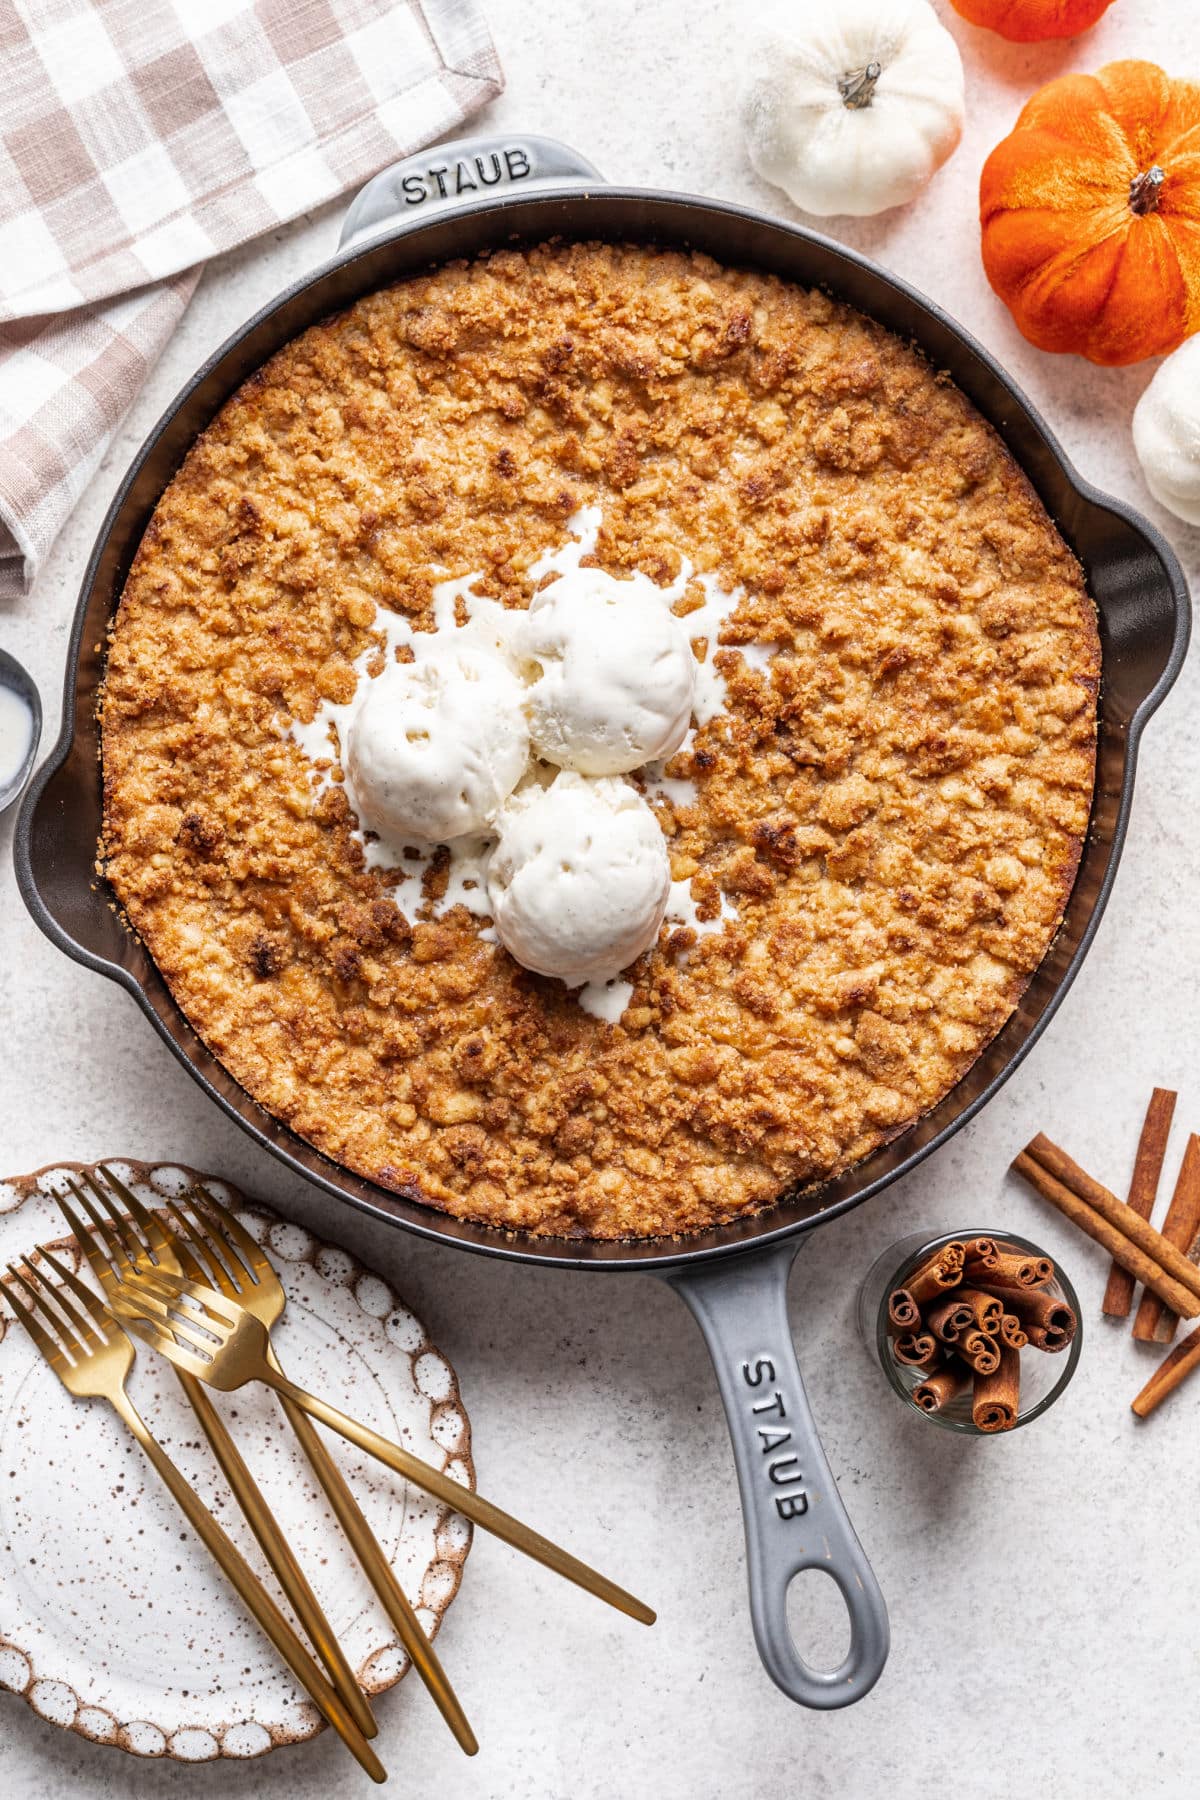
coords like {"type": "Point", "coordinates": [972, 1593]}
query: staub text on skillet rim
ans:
{"type": "Point", "coordinates": [457, 201]}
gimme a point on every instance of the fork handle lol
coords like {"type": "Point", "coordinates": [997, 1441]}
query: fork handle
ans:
{"type": "Point", "coordinates": [378, 1570]}
{"type": "Point", "coordinates": [238, 1571]}
{"type": "Point", "coordinates": [279, 1554]}
{"type": "Point", "coordinates": [461, 1499]}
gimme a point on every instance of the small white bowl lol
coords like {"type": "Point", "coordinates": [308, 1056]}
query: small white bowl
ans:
{"type": "Point", "coordinates": [20, 682]}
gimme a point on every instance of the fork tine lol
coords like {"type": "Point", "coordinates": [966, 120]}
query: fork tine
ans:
{"type": "Point", "coordinates": [212, 1272]}
{"type": "Point", "coordinates": [150, 1332]}
{"type": "Point", "coordinates": [140, 1293]}
{"type": "Point", "coordinates": [117, 1185]}
{"type": "Point", "coordinates": [97, 1325]}
{"type": "Point", "coordinates": [108, 1229]}
{"type": "Point", "coordinates": [151, 1225]}
{"type": "Point", "coordinates": [49, 1346]}
{"type": "Point", "coordinates": [107, 1233]}
{"type": "Point", "coordinates": [144, 1215]}
{"type": "Point", "coordinates": [165, 1243]}
{"type": "Point", "coordinates": [230, 1229]}
{"type": "Point", "coordinates": [238, 1278]}
{"type": "Point", "coordinates": [191, 1248]}
{"type": "Point", "coordinates": [119, 1232]}
{"type": "Point", "coordinates": [165, 1306]}
{"type": "Point", "coordinates": [85, 1337]}
{"type": "Point", "coordinates": [189, 1332]}
{"type": "Point", "coordinates": [178, 1292]}
{"type": "Point", "coordinates": [187, 1336]}
{"type": "Point", "coordinates": [99, 1264]}
{"type": "Point", "coordinates": [41, 1292]}
{"type": "Point", "coordinates": [131, 1249]}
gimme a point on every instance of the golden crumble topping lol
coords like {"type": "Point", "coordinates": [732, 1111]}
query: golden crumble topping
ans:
{"type": "Point", "coordinates": [894, 804]}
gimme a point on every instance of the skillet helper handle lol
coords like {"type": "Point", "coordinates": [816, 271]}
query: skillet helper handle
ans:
{"type": "Point", "coordinates": [794, 1515]}
{"type": "Point", "coordinates": [451, 175]}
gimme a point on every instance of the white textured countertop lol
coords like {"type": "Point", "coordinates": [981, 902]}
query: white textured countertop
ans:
{"type": "Point", "coordinates": [1044, 1589]}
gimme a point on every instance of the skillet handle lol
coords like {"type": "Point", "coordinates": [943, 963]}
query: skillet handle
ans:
{"type": "Point", "coordinates": [450, 175]}
{"type": "Point", "coordinates": [793, 1512]}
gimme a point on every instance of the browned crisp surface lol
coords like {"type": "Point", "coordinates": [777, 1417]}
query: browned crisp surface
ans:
{"type": "Point", "coordinates": [895, 806]}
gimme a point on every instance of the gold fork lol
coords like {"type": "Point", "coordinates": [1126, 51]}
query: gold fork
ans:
{"type": "Point", "coordinates": [110, 1265]}
{"type": "Point", "coordinates": [216, 1249]}
{"type": "Point", "coordinates": [216, 1339]}
{"type": "Point", "coordinates": [92, 1357]}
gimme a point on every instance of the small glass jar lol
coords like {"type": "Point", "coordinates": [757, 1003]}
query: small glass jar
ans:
{"type": "Point", "coordinates": [1044, 1374]}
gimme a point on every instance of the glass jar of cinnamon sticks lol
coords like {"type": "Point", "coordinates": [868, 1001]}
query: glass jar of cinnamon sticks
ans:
{"type": "Point", "coordinates": [978, 1330]}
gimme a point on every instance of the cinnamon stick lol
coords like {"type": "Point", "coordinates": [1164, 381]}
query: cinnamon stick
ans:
{"type": "Point", "coordinates": [1056, 1162]}
{"type": "Point", "coordinates": [987, 1309]}
{"type": "Point", "coordinates": [903, 1312]}
{"type": "Point", "coordinates": [917, 1349]}
{"type": "Point", "coordinates": [982, 1249]}
{"type": "Point", "coordinates": [950, 1320]}
{"type": "Point", "coordinates": [982, 1255]}
{"type": "Point", "coordinates": [940, 1387]}
{"type": "Point", "coordinates": [979, 1350]}
{"type": "Point", "coordinates": [1147, 1167]}
{"type": "Point", "coordinates": [1180, 1227]}
{"type": "Point", "coordinates": [1011, 1332]}
{"type": "Point", "coordinates": [996, 1398]}
{"type": "Point", "coordinates": [1053, 1328]}
{"type": "Point", "coordinates": [1046, 1311]}
{"type": "Point", "coordinates": [1010, 1271]}
{"type": "Point", "coordinates": [1145, 1253]}
{"type": "Point", "coordinates": [1168, 1375]}
{"type": "Point", "coordinates": [934, 1276]}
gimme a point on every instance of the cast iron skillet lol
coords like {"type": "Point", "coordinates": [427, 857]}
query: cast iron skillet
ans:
{"type": "Point", "coordinates": [471, 196]}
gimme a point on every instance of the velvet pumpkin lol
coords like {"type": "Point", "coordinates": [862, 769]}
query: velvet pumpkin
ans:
{"type": "Point", "coordinates": [1090, 212]}
{"type": "Point", "coordinates": [851, 108]}
{"type": "Point", "coordinates": [1029, 21]}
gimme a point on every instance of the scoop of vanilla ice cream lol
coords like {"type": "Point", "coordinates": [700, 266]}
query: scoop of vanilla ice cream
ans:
{"type": "Point", "coordinates": [437, 745]}
{"type": "Point", "coordinates": [579, 879]}
{"type": "Point", "coordinates": [611, 672]}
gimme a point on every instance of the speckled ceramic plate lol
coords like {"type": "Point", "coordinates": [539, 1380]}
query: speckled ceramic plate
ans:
{"type": "Point", "coordinates": [113, 1620]}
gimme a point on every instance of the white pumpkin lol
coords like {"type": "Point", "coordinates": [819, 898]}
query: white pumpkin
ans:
{"type": "Point", "coordinates": [851, 105]}
{"type": "Point", "coordinates": [1166, 432]}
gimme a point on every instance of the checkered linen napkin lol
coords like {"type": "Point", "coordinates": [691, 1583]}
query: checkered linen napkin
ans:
{"type": "Point", "coordinates": [138, 138]}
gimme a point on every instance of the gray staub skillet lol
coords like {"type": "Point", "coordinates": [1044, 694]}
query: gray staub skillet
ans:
{"type": "Point", "coordinates": [456, 201]}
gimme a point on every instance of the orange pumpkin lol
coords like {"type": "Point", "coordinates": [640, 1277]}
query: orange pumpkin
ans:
{"type": "Point", "coordinates": [1029, 21]}
{"type": "Point", "coordinates": [1090, 212]}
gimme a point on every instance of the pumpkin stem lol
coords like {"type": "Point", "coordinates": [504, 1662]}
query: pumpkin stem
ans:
{"type": "Point", "coordinates": [1143, 191]}
{"type": "Point", "coordinates": [857, 86]}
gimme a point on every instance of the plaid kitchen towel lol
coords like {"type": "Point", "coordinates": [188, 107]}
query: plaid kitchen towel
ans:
{"type": "Point", "coordinates": [138, 138]}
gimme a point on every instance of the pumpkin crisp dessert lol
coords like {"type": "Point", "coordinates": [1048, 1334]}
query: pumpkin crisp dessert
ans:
{"type": "Point", "coordinates": [704, 923]}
